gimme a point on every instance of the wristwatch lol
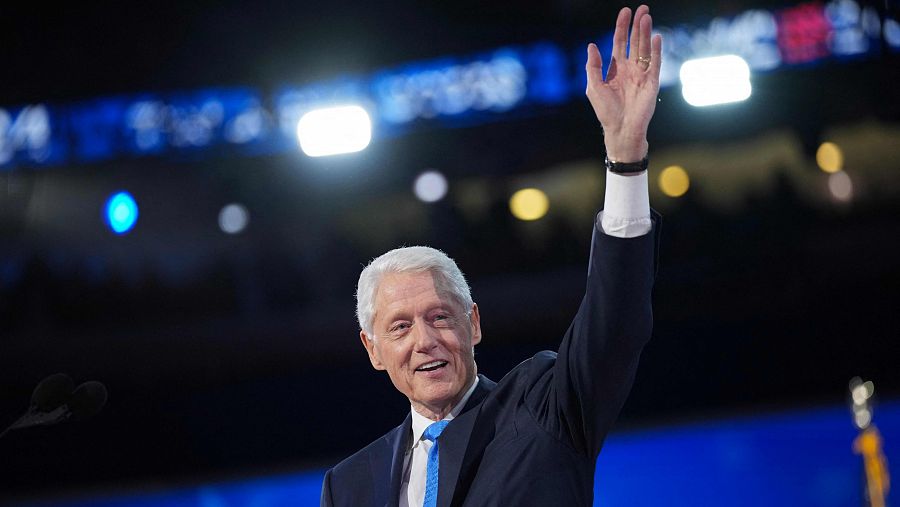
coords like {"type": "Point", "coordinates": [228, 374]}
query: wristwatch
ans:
{"type": "Point", "coordinates": [627, 167]}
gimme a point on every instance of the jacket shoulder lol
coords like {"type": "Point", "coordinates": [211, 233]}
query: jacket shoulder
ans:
{"type": "Point", "coordinates": [366, 474]}
{"type": "Point", "coordinates": [379, 447]}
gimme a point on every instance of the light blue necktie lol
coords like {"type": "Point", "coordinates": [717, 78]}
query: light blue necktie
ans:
{"type": "Point", "coordinates": [431, 434]}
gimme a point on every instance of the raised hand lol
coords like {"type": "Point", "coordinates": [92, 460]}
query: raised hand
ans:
{"type": "Point", "coordinates": [624, 102]}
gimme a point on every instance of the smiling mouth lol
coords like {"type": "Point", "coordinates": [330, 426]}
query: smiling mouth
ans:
{"type": "Point", "coordinates": [432, 366]}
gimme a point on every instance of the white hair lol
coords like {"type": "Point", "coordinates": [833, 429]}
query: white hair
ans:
{"type": "Point", "coordinates": [412, 259]}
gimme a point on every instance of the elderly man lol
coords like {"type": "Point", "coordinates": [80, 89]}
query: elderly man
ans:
{"type": "Point", "coordinates": [533, 437]}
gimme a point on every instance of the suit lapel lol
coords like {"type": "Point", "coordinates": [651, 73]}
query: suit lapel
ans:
{"type": "Point", "coordinates": [387, 488]}
{"type": "Point", "coordinates": [455, 440]}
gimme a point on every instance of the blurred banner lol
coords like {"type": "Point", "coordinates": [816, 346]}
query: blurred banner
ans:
{"type": "Point", "coordinates": [449, 91]}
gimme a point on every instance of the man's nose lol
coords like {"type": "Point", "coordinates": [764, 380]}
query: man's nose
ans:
{"type": "Point", "coordinates": [425, 337]}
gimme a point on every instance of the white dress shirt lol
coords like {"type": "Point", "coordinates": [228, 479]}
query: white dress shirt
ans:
{"type": "Point", "coordinates": [626, 214]}
{"type": "Point", "coordinates": [626, 211]}
{"type": "Point", "coordinates": [415, 463]}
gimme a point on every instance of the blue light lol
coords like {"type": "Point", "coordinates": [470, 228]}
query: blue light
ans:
{"type": "Point", "coordinates": [450, 91]}
{"type": "Point", "coordinates": [547, 73]}
{"type": "Point", "coordinates": [798, 458]}
{"type": "Point", "coordinates": [121, 212]}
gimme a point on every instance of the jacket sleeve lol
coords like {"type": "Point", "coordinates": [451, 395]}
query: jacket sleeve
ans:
{"type": "Point", "coordinates": [577, 395]}
{"type": "Point", "coordinates": [325, 500]}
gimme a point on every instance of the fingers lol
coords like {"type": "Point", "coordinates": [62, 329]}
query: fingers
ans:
{"type": "Point", "coordinates": [637, 32]}
{"type": "Point", "coordinates": [656, 56]}
{"type": "Point", "coordinates": [620, 36]}
{"type": "Point", "coordinates": [642, 48]}
{"type": "Point", "coordinates": [594, 66]}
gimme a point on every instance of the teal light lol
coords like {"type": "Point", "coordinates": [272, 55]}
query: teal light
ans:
{"type": "Point", "coordinates": [121, 212]}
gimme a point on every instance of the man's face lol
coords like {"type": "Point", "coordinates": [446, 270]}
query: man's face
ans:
{"type": "Point", "coordinates": [424, 340]}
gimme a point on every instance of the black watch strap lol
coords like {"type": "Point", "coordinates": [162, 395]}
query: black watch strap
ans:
{"type": "Point", "coordinates": [627, 167]}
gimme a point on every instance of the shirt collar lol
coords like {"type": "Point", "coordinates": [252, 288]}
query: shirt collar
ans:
{"type": "Point", "coordinates": [420, 422]}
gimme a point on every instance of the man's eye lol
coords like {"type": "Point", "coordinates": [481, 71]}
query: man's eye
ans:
{"type": "Point", "coordinates": [442, 320]}
{"type": "Point", "coordinates": [397, 328]}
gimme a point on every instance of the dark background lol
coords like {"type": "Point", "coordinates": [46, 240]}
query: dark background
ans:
{"type": "Point", "coordinates": [235, 355]}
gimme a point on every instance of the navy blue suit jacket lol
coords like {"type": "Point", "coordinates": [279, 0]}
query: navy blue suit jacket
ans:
{"type": "Point", "coordinates": [533, 437]}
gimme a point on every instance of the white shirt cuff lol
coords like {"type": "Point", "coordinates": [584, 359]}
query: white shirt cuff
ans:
{"type": "Point", "coordinates": [626, 210]}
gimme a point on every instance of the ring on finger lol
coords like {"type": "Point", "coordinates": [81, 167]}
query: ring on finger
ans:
{"type": "Point", "coordinates": [644, 59]}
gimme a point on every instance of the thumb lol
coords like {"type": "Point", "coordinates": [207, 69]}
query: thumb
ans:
{"type": "Point", "coordinates": [594, 66]}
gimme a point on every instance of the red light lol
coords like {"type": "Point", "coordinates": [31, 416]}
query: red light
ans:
{"type": "Point", "coordinates": [804, 33]}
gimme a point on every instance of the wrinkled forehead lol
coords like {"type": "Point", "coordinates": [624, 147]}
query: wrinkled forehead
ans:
{"type": "Point", "coordinates": [397, 290]}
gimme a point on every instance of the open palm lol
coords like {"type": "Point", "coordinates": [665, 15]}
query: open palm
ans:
{"type": "Point", "coordinates": [624, 102]}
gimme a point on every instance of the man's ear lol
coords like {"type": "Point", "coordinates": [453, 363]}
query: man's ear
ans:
{"type": "Point", "coordinates": [369, 344]}
{"type": "Point", "coordinates": [475, 321]}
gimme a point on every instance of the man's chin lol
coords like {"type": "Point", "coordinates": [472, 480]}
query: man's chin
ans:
{"type": "Point", "coordinates": [439, 396]}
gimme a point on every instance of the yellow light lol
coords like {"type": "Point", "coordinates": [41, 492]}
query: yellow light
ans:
{"type": "Point", "coordinates": [674, 181]}
{"type": "Point", "coordinates": [529, 204]}
{"type": "Point", "coordinates": [830, 158]}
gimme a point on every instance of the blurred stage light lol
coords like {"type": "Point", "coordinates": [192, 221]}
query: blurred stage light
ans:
{"type": "Point", "coordinates": [830, 158]}
{"type": "Point", "coordinates": [233, 218]}
{"type": "Point", "coordinates": [840, 186]}
{"type": "Point", "coordinates": [334, 130]}
{"type": "Point", "coordinates": [862, 418]}
{"type": "Point", "coordinates": [715, 80]}
{"type": "Point", "coordinates": [529, 204]}
{"type": "Point", "coordinates": [430, 186]}
{"type": "Point", "coordinates": [862, 392]}
{"type": "Point", "coordinates": [121, 212]}
{"type": "Point", "coordinates": [674, 181]}
{"type": "Point", "coordinates": [892, 32]}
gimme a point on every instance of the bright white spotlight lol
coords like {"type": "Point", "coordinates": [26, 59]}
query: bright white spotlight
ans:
{"type": "Point", "coordinates": [715, 80]}
{"type": "Point", "coordinates": [233, 218]}
{"type": "Point", "coordinates": [430, 186]}
{"type": "Point", "coordinates": [334, 130]}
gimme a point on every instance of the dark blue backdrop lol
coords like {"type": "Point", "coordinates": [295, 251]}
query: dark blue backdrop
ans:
{"type": "Point", "coordinates": [799, 458]}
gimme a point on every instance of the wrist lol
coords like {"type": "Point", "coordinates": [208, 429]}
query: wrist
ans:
{"type": "Point", "coordinates": [627, 168]}
{"type": "Point", "coordinates": [627, 150]}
